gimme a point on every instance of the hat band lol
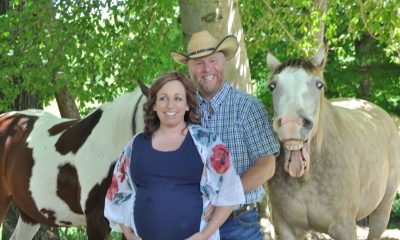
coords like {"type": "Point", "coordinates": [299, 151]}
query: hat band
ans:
{"type": "Point", "coordinates": [200, 51]}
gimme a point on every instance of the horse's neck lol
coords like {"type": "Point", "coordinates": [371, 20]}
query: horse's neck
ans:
{"type": "Point", "coordinates": [118, 116]}
{"type": "Point", "coordinates": [328, 124]}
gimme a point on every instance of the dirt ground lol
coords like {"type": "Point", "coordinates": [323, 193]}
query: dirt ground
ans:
{"type": "Point", "coordinates": [362, 233]}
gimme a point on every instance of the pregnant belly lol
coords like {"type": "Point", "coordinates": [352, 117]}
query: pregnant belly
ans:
{"type": "Point", "coordinates": [168, 214]}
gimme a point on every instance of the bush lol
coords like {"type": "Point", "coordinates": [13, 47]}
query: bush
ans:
{"type": "Point", "coordinates": [394, 221]}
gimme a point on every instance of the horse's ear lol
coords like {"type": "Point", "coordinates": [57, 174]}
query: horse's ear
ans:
{"type": "Point", "coordinates": [145, 89]}
{"type": "Point", "coordinates": [320, 57]}
{"type": "Point", "coordinates": [272, 61]}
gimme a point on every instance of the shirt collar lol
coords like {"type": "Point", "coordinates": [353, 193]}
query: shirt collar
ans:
{"type": "Point", "coordinates": [217, 99]}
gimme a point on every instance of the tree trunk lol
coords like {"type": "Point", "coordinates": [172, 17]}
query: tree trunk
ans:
{"type": "Point", "coordinates": [9, 221]}
{"type": "Point", "coordinates": [26, 101]}
{"type": "Point", "coordinates": [66, 104]}
{"type": "Point", "coordinates": [364, 49]}
{"type": "Point", "coordinates": [220, 18]}
{"type": "Point", "coordinates": [322, 5]}
{"type": "Point", "coordinates": [65, 101]}
{"type": "Point", "coordinates": [3, 6]}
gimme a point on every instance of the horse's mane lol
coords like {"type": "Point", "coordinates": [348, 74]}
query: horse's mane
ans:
{"type": "Point", "coordinates": [306, 64]}
{"type": "Point", "coordinates": [318, 138]}
{"type": "Point", "coordinates": [330, 122]}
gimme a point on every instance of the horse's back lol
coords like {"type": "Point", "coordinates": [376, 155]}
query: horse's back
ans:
{"type": "Point", "coordinates": [374, 123]}
{"type": "Point", "coordinates": [376, 138]}
{"type": "Point", "coordinates": [368, 110]}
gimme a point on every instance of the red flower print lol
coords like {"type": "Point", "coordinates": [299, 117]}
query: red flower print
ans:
{"type": "Point", "coordinates": [122, 167]}
{"type": "Point", "coordinates": [113, 188]}
{"type": "Point", "coordinates": [220, 159]}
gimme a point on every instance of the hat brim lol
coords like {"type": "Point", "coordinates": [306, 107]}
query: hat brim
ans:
{"type": "Point", "coordinates": [228, 46]}
{"type": "Point", "coordinates": [180, 58]}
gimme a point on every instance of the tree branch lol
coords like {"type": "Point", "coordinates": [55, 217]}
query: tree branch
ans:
{"type": "Point", "coordinates": [363, 18]}
{"type": "Point", "coordinates": [279, 22]}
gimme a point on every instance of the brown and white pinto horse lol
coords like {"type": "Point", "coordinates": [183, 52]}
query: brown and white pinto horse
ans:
{"type": "Point", "coordinates": [57, 170]}
{"type": "Point", "coordinates": [340, 160]}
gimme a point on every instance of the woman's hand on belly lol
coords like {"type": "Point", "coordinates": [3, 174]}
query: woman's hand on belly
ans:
{"type": "Point", "coordinates": [197, 236]}
{"type": "Point", "coordinates": [129, 234]}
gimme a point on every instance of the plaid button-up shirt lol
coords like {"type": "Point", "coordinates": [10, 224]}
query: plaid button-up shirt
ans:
{"type": "Point", "coordinates": [242, 123]}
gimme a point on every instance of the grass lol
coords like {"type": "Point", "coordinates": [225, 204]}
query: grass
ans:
{"type": "Point", "coordinates": [74, 233]}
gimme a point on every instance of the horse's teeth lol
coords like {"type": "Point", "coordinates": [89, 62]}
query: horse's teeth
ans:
{"type": "Point", "coordinates": [293, 147]}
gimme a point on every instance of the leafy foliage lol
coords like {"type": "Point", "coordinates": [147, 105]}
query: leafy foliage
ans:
{"type": "Point", "coordinates": [395, 214]}
{"type": "Point", "coordinates": [78, 233]}
{"type": "Point", "coordinates": [98, 49]}
{"type": "Point", "coordinates": [364, 56]}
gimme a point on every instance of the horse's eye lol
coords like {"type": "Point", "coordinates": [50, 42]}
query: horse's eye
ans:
{"type": "Point", "coordinates": [319, 84]}
{"type": "Point", "coordinates": [271, 86]}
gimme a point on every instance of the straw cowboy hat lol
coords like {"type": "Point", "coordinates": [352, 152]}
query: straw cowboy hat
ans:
{"type": "Point", "coordinates": [203, 44]}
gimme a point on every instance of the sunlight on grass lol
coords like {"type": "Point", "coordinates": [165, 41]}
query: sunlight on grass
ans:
{"type": "Point", "coordinates": [78, 233]}
{"type": "Point", "coordinates": [74, 233]}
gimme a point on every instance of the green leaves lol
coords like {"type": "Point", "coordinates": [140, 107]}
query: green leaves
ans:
{"type": "Point", "coordinates": [363, 39]}
{"type": "Point", "coordinates": [99, 49]}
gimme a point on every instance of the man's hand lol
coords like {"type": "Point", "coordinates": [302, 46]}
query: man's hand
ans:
{"type": "Point", "coordinates": [132, 236]}
{"type": "Point", "coordinates": [197, 236]}
{"type": "Point", "coordinates": [129, 234]}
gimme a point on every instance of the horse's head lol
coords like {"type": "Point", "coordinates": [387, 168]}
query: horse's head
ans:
{"type": "Point", "coordinates": [297, 88]}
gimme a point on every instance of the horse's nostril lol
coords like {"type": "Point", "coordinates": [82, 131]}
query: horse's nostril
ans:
{"type": "Point", "coordinates": [307, 123]}
{"type": "Point", "coordinates": [277, 123]}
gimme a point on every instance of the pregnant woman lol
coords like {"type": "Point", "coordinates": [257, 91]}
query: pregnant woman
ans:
{"type": "Point", "coordinates": [168, 175]}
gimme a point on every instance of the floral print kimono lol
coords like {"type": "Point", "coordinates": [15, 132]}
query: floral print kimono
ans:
{"type": "Point", "coordinates": [219, 184]}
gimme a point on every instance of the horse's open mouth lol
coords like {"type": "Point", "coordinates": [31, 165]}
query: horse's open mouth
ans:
{"type": "Point", "coordinates": [297, 158]}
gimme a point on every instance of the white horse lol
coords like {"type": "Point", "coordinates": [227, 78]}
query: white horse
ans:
{"type": "Point", "coordinates": [340, 160]}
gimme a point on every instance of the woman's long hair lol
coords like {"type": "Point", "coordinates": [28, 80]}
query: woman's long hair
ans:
{"type": "Point", "coordinates": [151, 120]}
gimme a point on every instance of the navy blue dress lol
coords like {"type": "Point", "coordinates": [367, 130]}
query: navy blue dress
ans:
{"type": "Point", "coordinates": [168, 203]}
